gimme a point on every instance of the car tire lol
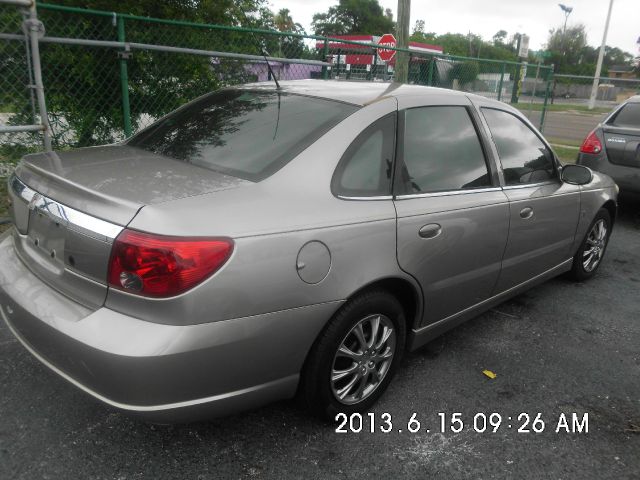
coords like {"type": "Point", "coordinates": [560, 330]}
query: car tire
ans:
{"type": "Point", "coordinates": [589, 256]}
{"type": "Point", "coordinates": [351, 329]}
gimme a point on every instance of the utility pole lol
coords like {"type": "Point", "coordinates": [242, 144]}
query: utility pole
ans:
{"type": "Point", "coordinates": [402, 39]}
{"type": "Point", "coordinates": [596, 79]}
{"type": "Point", "coordinates": [515, 91]}
{"type": "Point", "coordinates": [567, 11]}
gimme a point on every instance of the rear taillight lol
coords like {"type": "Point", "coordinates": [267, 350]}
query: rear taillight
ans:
{"type": "Point", "coordinates": [591, 144]}
{"type": "Point", "coordinates": [160, 266]}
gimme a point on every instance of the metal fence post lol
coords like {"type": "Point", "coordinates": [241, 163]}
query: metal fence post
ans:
{"type": "Point", "coordinates": [504, 66]}
{"type": "Point", "coordinates": [515, 91]}
{"type": "Point", "coordinates": [430, 68]}
{"type": "Point", "coordinates": [124, 80]}
{"type": "Point", "coordinates": [374, 67]}
{"type": "Point", "coordinates": [550, 80]}
{"type": "Point", "coordinates": [36, 28]}
{"type": "Point", "coordinates": [325, 53]}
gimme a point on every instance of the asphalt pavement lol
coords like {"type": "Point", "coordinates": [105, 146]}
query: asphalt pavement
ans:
{"type": "Point", "coordinates": [561, 348]}
{"type": "Point", "coordinates": [570, 126]}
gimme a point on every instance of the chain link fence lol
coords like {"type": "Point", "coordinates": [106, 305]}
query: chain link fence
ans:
{"type": "Point", "coordinates": [611, 90]}
{"type": "Point", "coordinates": [17, 102]}
{"type": "Point", "coordinates": [106, 75]}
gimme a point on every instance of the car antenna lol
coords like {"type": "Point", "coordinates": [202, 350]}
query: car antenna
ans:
{"type": "Point", "coordinates": [263, 51]}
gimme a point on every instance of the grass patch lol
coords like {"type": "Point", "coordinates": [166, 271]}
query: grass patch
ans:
{"type": "Point", "coordinates": [566, 155]}
{"type": "Point", "coordinates": [561, 107]}
{"type": "Point", "coordinates": [564, 141]}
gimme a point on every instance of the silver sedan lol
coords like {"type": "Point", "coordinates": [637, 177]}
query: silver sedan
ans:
{"type": "Point", "coordinates": [261, 242]}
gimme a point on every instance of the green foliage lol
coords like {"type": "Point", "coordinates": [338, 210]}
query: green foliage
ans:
{"type": "Point", "coordinates": [289, 47]}
{"type": "Point", "coordinates": [464, 72]}
{"type": "Point", "coordinates": [571, 54]}
{"type": "Point", "coordinates": [423, 37]}
{"type": "Point", "coordinates": [500, 37]}
{"type": "Point", "coordinates": [566, 47]}
{"type": "Point", "coordinates": [14, 96]}
{"type": "Point", "coordinates": [83, 84]}
{"type": "Point", "coordinates": [221, 12]}
{"type": "Point", "coordinates": [352, 17]}
{"type": "Point", "coordinates": [578, 59]}
{"type": "Point", "coordinates": [466, 45]}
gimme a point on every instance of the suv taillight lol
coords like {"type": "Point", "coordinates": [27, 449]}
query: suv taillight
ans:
{"type": "Point", "coordinates": [162, 266]}
{"type": "Point", "coordinates": [591, 144]}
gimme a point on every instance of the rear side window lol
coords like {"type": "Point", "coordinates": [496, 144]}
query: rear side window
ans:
{"type": "Point", "coordinates": [365, 169]}
{"type": "Point", "coordinates": [524, 157]}
{"type": "Point", "coordinates": [628, 116]}
{"type": "Point", "coordinates": [441, 151]}
{"type": "Point", "coordinates": [247, 134]}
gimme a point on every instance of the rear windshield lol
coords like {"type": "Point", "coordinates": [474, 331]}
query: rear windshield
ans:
{"type": "Point", "coordinates": [248, 134]}
{"type": "Point", "coordinates": [628, 116]}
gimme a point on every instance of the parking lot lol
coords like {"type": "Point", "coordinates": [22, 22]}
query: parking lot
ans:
{"type": "Point", "coordinates": [560, 348]}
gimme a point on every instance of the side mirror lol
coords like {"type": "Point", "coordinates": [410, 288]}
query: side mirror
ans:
{"type": "Point", "coordinates": [576, 174]}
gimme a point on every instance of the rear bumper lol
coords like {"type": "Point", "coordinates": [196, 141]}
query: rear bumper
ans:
{"type": "Point", "coordinates": [627, 178]}
{"type": "Point", "coordinates": [163, 372]}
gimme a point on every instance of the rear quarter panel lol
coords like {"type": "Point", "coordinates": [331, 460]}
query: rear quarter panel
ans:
{"type": "Point", "coordinates": [270, 221]}
{"type": "Point", "coordinates": [592, 197]}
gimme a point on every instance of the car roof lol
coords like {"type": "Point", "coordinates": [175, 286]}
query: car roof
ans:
{"type": "Point", "coordinates": [357, 93]}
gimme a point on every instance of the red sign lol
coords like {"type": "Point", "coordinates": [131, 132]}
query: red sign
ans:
{"type": "Point", "coordinates": [386, 40]}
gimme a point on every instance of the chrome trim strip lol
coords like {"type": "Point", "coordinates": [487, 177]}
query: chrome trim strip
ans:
{"type": "Point", "coordinates": [433, 325]}
{"type": "Point", "coordinates": [527, 185]}
{"type": "Point", "coordinates": [447, 193]}
{"type": "Point", "coordinates": [71, 218]}
{"type": "Point", "coordinates": [381, 197]}
{"type": "Point", "coordinates": [21, 189]}
{"type": "Point", "coordinates": [141, 408]}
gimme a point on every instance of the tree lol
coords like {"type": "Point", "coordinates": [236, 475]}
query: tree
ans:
{"type": "Point", "coordinates": [388, 13]}
{"type": "Point", "coordinates": [467, 45]}
{"type": "Point", "coordinates": [419, 35]}
{"type": "Point", "coordinates": [572, 55]}
{"type": "Point", "coordinates": [283, 21]}
{"type": "Point", "coordinates": [353, 16]}
{"type": "Point", "coordinates": [290, 46]}
{"type": "Point", "coordinates": [82, 84]}
{"type": "Point", "coordinates": [566, 47]}
{"type": "Point", "coordinates": [454, 43]}
{"type": "Point", "coordinates": [222, 12]}
{"type": "Point", "coordinates": [418, 28]}
{"type": "Point", "coordinates": [499, 37]}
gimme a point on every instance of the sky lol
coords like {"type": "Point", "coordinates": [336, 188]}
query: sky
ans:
{"type": "Point", "coordinates": [486, 17]}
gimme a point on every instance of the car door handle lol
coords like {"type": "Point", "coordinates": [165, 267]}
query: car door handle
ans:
{"type": "Point", "coordinates": [526, 212]}
{"type": "Point", "coordinates": [430, 230]}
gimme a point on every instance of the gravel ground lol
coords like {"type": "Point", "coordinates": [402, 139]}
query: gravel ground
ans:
{"type": "Point", "coordinates": [562, 347]}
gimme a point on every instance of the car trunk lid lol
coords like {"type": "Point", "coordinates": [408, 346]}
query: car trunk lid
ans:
{"type": "Point", "coordinates": [68, 207]}
{"type": "Point", "coordinates": [623, 145]}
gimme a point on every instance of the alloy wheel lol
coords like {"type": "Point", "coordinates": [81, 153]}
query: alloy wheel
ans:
{"type": "Point", "coordinates": [594, 246]}
{"type": "Point", "coordinates": [363, 359]}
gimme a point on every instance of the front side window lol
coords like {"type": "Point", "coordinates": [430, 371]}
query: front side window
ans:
{"type": "Point", "coordinates": [441, 151]}
{"type": "Point", "coordinates": [244, 133]}
{"type": "Point", "coordinates": [365, 170]}
{"type": "Point", "coordinates": [524, 157]}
